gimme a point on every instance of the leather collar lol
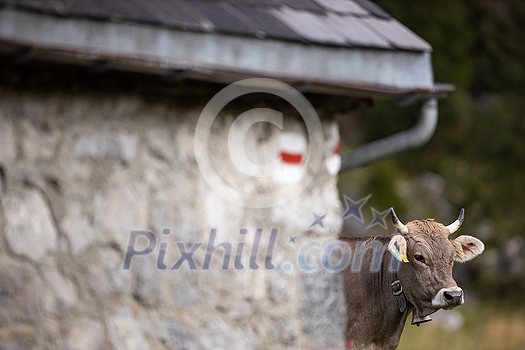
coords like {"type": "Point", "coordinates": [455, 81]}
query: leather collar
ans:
{"type": "Point", "coordinates": [397, 291]}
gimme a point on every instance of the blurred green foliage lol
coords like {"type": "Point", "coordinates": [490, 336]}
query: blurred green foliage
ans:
{"type": "Point", "coordinates": [484, 327]}
{"type": "Point", "coordinates": [479, 145]}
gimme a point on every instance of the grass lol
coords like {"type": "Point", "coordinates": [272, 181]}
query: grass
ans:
{"type": "Point", "coordinates": [486, 327]}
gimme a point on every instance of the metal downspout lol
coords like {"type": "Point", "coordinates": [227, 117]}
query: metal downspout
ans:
{"type": "Point", "coordinates": [403, 141]}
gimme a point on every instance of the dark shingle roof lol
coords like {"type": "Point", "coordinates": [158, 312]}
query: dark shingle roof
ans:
{"type": "Point", "coordinates": [348, 23]}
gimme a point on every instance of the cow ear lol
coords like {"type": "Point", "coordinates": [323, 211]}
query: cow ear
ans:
{"type": "Point", "coordinates": [398, 248]}
{"type": "Point", "coordinates": [467, 248]}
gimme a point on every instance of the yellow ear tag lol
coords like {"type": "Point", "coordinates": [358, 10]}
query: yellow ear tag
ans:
{"type": "Point", "coordinates": [404, 258]}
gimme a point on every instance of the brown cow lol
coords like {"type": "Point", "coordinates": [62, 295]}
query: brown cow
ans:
{"type": "Point", "coordinates": [381, 291]}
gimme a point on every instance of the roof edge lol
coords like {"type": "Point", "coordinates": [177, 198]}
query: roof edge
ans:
{"type": "Point", "coordinates": [217, 57]}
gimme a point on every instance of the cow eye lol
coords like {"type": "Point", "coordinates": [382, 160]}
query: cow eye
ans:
{"type": "Point", "coordinates": [419, 258]}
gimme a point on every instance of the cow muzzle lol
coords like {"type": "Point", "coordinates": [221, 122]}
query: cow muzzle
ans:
{"type": "Point", "coordinates": [448, 298]}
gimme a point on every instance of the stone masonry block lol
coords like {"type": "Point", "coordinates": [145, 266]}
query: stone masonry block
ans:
{"type": "Point", "coordinates": [29, 225]}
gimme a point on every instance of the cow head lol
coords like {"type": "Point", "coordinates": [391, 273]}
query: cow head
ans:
{"type": "Point", "coordinates": [427, 256]}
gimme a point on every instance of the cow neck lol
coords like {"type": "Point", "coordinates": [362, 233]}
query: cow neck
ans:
{"type": "Point", "coordinates": [402, 301]}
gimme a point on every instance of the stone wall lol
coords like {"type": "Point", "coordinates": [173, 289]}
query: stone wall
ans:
{"type": "Point", "coordinates": [79, 170]}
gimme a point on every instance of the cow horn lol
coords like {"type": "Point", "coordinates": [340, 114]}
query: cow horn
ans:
{"type": "Point", "coordinates": [398, 224]}
{"type": "Point", "coordinates": [453, 227]}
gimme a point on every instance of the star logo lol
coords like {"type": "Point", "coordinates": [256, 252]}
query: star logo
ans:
{"type": "Point", "coordinates": [354, 208]}
{"type": "Point", "coordinates": [379, 218]}
{"type": "Point", "coordinates": [318, 220]}
{"type": "Point", "coordinates": [292, 239]}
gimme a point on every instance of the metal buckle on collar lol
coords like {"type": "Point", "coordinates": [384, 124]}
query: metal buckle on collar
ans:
{"type": "Point", "coordinates": [397, 289]}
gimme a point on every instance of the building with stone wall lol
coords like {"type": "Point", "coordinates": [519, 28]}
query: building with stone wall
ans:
{"type": "Point", "coordinates": [130, 218]}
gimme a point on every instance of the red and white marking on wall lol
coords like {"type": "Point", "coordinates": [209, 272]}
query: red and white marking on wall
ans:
{"type": "Point", "coordinates": [333, 161]}
{"type": "Point", "coordinates": [292, 153]}
{"type": "Point", "coordinates": [333, 153]}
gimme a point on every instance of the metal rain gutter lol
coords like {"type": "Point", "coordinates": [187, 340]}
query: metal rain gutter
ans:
{"type": "Point", "coordinates": [412, 138]}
